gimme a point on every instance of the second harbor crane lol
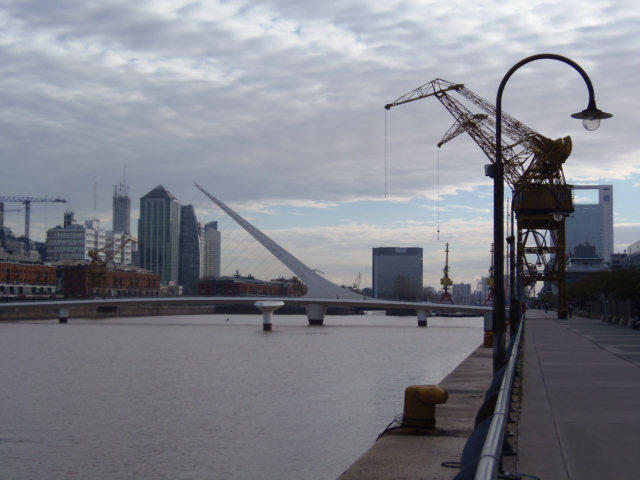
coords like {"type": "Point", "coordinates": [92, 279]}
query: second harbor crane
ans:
{"type": "Point", "coordinates": [445, 281]}
{"type": "Point", "coordinates": [532, 168]}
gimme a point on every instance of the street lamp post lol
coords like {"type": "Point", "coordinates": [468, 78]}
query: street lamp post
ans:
{"type": "Point", "coordinates": [590, 117]}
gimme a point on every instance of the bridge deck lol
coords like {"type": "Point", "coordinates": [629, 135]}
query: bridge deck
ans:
{"type": "Point", "coordinates": [202, 300]}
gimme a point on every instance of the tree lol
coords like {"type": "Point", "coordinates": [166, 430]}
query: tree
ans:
{"type": "Point", "coordinates": [403, 289]}
{"type": "Point", "coordinates": [621, 284]}
{"type": "Point", "coordinates": [430, 294]}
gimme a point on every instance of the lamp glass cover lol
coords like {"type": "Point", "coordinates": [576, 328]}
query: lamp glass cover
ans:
{"type": "Point", "coordinates": [591, 124]}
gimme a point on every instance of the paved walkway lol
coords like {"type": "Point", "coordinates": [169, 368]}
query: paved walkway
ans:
{"type": "Point", "coordinates": [581, 406]}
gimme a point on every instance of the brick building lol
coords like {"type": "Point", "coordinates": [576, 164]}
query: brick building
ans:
{"type": "Point", "coordinates": [249, 286]}
{"type": "Point", "coordinates": [26, 280]}
{"type": "Point", "coordinates": [120, 283]}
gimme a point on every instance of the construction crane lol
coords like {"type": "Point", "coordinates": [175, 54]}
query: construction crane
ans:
{"type": "Point", "coordinates": [26, 201]}
{"type": "Point", "coordinates": [445, 281]}
{"type": "Point", "coordinates": [490, 281]}
{"type": "Point", "coordinates": [356, 283]}
{"type": "Point", "coordinates": [533, 170]}
{"type": "Point", "coordinates": [100, 258]}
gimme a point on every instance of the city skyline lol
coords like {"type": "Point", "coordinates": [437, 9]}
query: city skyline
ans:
{"type": "Point", "coordinates": [278, 109]}
{"type": "Point", "coordinates": [206, 211]}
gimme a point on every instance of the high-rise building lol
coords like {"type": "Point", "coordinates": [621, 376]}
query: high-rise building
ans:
{"type": "Point", "coordinates": [592, 223]}
{"type": "Point", "coordinates": [191, 250]}
{"type": "Point", "coordinates": [397, 273]}
{"type": "Point", "coordinates": [122, 210]}
{"type": "Point", "coordinates": [159, 234]}
{"type": "Point", "coordinates": [212, 244]}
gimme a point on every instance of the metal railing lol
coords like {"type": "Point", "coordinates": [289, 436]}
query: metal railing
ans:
{"type": "Point", "coordinates": [490, 458]}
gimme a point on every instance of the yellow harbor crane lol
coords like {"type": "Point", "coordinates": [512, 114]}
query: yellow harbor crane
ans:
{"type": "Point", "coordinates": [445, 281]}
{"type": "Point", "coordinates": [533, 170]}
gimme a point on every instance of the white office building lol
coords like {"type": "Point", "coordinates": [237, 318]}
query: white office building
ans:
{"type": "Point", "coordinates": [592, 222]}
{"type": "Point", "coordinates": [73, 241]}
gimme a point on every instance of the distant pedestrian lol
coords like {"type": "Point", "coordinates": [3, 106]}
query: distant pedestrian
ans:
{"type": "Point", "coordinates": [570, 311]}
{"type": "Point", "coordinates": [546, 308]}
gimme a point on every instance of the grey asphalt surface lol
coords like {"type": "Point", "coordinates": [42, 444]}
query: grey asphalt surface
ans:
{"type": "Point", "coordinates": [580, 416]}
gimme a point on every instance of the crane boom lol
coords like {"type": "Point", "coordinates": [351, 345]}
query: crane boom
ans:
{"type": "Point", "coordinates": [26, 201]}
{"type": "Point", "coordinates": [532, 168]}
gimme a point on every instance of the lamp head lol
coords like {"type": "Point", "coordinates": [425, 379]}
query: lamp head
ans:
{"type": "Point", "coordinates": [591, 116]}
{"type": "Point", "coordinates": [489, 170]}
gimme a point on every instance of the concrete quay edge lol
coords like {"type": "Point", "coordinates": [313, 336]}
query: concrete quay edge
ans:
{"type": "Point", "coordinates": [415, 457]}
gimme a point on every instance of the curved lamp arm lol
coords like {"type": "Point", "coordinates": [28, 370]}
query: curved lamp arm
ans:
{"type": "Point", "coordinates": [591, 120]}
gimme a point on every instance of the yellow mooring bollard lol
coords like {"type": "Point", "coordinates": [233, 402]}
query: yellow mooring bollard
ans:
{"type": "Point", "coordinates": [420, 406]}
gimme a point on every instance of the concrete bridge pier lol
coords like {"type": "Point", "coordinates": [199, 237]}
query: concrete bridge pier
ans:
{"type": "Point", "coordinates": [63, 315]}
{"type": "Point", "coordinates": [267, 309]}
{"type": "Point", "coordinates": [422, 317]}
{"type": "Point", "coordinates": [315, 313]}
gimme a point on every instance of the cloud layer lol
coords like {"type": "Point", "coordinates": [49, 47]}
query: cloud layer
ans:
{"type": "Point", "coordinates": [276, 107]}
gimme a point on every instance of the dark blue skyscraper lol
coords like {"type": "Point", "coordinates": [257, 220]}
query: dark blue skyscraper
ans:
{"type": "Point", "coordinates": [159, 234]}
{"type": "Point", "coordinates": [397, 273]}
{"type": "Point", "coordinates": [191, 250]}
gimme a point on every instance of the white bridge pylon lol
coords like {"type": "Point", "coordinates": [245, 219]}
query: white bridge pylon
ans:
{"type": "Point", "coordinates": [318, 288]}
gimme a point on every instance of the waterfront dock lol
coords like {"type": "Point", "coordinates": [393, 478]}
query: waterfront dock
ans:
{"type": "Point", "coordinates": [420, 457]}
{"type": "Point", "coordinates": [579, 418]}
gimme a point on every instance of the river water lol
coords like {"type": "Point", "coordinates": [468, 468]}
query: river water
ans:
{"type": "Point", "coordinates": [211, 396]}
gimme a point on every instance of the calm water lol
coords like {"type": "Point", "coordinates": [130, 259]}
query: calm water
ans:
{"type": "Point", "coordinates": [200, 397]}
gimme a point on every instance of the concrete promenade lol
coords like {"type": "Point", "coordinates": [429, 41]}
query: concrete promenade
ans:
{"type": "Point", "coordinates": [580, 417]}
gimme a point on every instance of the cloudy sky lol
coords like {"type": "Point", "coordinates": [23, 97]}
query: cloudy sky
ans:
{"type": "Point", "coordinates": [277, 109]}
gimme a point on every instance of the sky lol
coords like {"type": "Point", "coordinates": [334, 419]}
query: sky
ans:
{"type": "Point", "coordinates": [276, 108]}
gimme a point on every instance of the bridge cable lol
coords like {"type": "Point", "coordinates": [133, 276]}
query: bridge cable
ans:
{"type": "Point", "coordinates": [438, 193]}
{"type": "Point", "coordinates": [385, 154]}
